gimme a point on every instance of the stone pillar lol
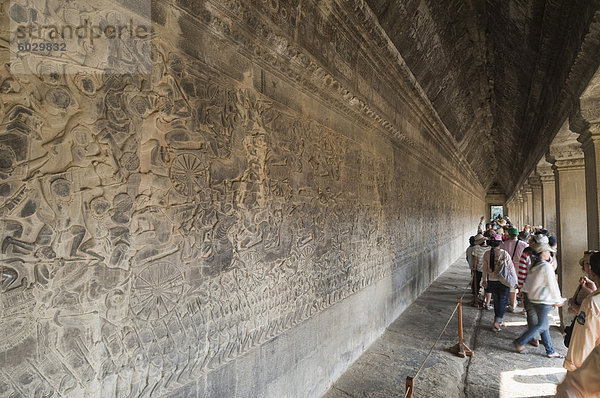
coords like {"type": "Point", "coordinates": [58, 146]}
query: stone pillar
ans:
{"type": "Point", "coordinates": [591, 150]}
{"type": "Point", "coordinates": [544, 170]}
{"type": "Point", "coordinates": [510, 209]}
{"type": "Point", "coordinates": [528, 203]}
{"type": "Point", "coordinates": [520, 210]}
{"type": "Point", "coordinates": [536, 198]}
{"type": "Point", "coordinates": [568, 162]}
{"type": "Point", "coordinates": [585, 120]}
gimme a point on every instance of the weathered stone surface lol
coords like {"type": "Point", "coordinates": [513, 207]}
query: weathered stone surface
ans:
{"type": "Point", "coordinates": [265, 189]}
{"type": "Point", "coordinates": [260, 200]}
{"type": "Point", "coordinates": [502, 75]}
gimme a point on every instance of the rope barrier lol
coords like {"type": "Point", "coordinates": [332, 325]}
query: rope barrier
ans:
{"type": "Point", "coordinates": [443, 330]}
{"type": "Point", "coordinates": [462, 349]}
{"type": "Point", "coordinates": [434, 344]}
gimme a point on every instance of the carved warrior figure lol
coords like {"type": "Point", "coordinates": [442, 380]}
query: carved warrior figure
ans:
{"type": "Point", "coordinates": [168, 223]}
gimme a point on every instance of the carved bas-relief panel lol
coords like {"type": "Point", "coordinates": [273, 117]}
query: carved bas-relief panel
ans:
{"type": "Point", "coordinates": [165, 227]}
{"type": "Point", "coordinates": [156, 226]}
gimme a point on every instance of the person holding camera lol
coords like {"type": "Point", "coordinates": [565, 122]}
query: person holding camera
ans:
{"type": "Point", "coordinates": [586, 330]}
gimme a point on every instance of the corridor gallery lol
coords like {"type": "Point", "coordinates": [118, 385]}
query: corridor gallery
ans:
{"type": "Point", "coordinates": [234, 198]}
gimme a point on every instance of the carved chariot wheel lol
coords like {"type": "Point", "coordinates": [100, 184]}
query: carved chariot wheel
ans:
{"type": "Point", "coordinates": [189, 174]}
{"type": "Point", "coordinates": [156, 291]}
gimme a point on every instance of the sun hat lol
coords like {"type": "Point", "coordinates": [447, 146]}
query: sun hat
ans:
{"type": "Point", "coordinates": [541, 244]}
{"type": "Point", "coordinates": [494, 240]}
{"type": "Point", "coordinates": [497, 237]}
{"type": "Point", "coordinates": [512, 231]}
{"type": "Point", "coordinates": [479, 239]}
{"type": "Point", "coordinates": [524, 236]}
{"type": "Point", "coordinates": [502, 222]}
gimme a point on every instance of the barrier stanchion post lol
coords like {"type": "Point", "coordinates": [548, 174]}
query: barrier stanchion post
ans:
{"type": "Point", "coordinates": [409, 387]}
{"type": "Point", "coordinates": [461, 348]}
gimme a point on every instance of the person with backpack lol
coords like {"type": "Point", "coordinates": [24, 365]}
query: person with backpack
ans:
{"type": "Point", "coordinates": [543, 293]}
{"type": "Point", "coordinates": [478, 252]}
{"type": "Point", "coordinates": [515, 247]}
{"type": "Point", "coordinates": [471, 262]}
{"type": "Point", "coordinates": [499, 275]}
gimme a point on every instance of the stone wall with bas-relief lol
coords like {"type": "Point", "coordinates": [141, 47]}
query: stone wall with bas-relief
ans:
{"type": "Point", "coordinates": [243, 220]}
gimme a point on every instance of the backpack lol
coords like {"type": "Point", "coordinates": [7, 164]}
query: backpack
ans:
{"type": "Point", "coordinates": [506, 277]}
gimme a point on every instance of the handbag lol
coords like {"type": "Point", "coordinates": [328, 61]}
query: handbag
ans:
{"type": "Point", "coordinates": [569, 332]}
{"type": "Point", "coordinates": [569, 329]}
{"type": "Point", "coordinates": [580, 319]}
{"type": "Point", "coordinates": [506, 277]}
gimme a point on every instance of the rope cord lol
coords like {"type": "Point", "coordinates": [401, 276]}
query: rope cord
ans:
{"type": "Point", "coordinates": [466, 290]}
{"type": "Point", "coordinates": [434, 344]}
{"type": "Point", "coordinates": [444, 330]}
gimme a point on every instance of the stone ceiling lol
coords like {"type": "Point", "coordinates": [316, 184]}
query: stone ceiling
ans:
{"type": "Point", "coordinates": [502, 74]}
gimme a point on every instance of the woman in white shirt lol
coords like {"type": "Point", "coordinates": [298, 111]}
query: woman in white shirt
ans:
{"type": "Point", "coordinates": [493, 261]}
{"type": "Point", "coordinates": [543, 293]}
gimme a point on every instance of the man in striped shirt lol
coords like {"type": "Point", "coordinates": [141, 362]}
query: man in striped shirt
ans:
{"type": "Point", "coordinates": [524, 264]}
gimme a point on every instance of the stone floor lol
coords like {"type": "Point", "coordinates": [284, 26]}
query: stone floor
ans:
{"type": "Point", "coordinates": [495, 369]}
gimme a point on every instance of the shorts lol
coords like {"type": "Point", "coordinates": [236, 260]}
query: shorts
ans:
{"type": "Point", "coordinates": [487, 289]}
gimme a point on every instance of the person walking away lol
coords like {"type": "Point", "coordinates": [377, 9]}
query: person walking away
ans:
{"type": "Point", "coordinates": [524, 236]}
{"type": "Point", "coordinates": [515, 247]}
{"type": "Point", "coordinates": [543, 293]}
{"type": "Point", "coordinates": [478, 251]}
{"type": "Point", "coordinates": [586, 331]}
{"type": "Point", "coordinates": [471, 263]}
{"type": "Point", "coordinates": [493, 261]}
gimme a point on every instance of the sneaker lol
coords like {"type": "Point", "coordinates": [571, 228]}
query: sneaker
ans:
{"type": "Point", "coordinates": [518, 347]}
{"type": "Point", "coordinates": [555, 355]}
{"type": "Point", "coordinates": [489, 307]}
{"type": "Point", "coordinates": [510, 309]}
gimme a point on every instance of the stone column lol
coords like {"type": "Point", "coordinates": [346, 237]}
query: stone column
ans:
{"type": "Point", "coordinates": [520, 210]}
{"type": "Point", "coordinates": [591, 150]}
{"type": "Point", "coordinates": [510, 209]}
{"type": "Point", "coordinates": [585, 120]}
{"type": "Point", "coordinates": [567, 158]}
{"type": "Point", "coordinates": [536, 198]}
{"type": "Point", "coordinates": [528, 203]}
{"type": "Point", "coordinates": [544, 170]}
